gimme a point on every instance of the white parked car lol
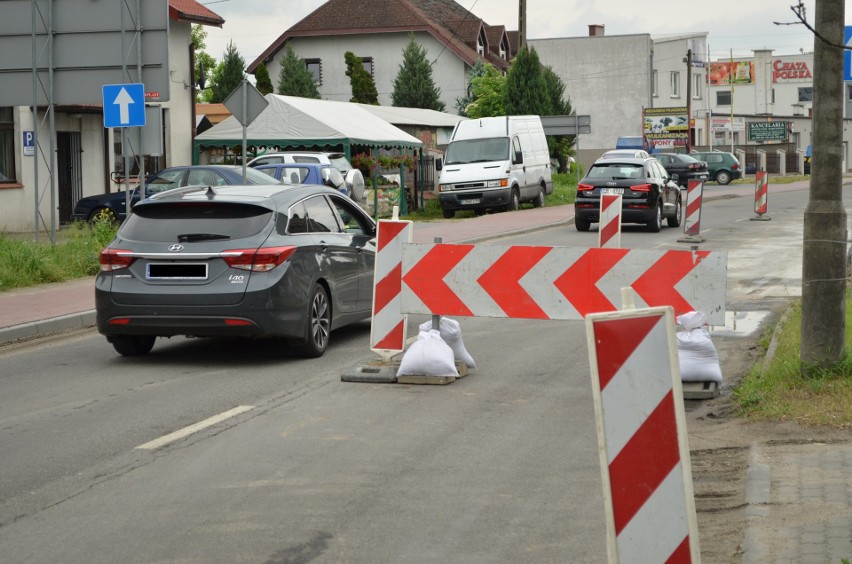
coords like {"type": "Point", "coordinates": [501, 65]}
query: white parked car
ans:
{"type": "Point", "coordinates": [353, 177]}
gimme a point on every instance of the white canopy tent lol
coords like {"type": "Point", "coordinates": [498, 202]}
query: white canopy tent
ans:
{"type": "Point", "coordinates": [290, 122]}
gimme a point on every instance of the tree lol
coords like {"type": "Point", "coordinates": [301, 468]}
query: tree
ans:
{"type": "Point", "coordinates": [204, 64]}
{"type": "Point", "coordinates": [413, 86]}
{"type": "Point", "coordinates": [294, 78]}
{"type": "Point", "coordinates": [363, 87]}
{"type": "Point", "coordinates": [263, 82]}
{"type": "Point", "coordinates": [560, 147]}
{"type": "Point", "coordinates": [478, 69]}
{"type": "Point", "coordinates": [488, 93]}
{"type": "Point", "coordinates": [526, 90]}
{"type": "Point", "coordinates": [229, 74]}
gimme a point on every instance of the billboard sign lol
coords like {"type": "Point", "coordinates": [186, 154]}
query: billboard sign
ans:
{"type": "Point", "coordinates": [728, 72]}
{"type": "Point", "coordinates": [92, 43]}
{"type": "Point", "coordinates": [724, 123]}
{"type": "Point", "coordinates": [666, 127]}
{"type": "Point", "coordinates": [767, 131]}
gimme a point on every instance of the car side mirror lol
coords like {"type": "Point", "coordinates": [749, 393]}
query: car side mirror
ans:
{"type": "Point", "coordinates": [438, 164]}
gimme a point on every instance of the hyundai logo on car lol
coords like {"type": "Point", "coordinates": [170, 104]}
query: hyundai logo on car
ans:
{"type": "Point", "coordinates": [175, 248]}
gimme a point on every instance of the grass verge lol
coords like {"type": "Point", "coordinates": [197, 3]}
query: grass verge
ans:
{"type": "Point", "coordinates": [26, 263]}
{"type": "Point", "coordinates": [777, 390]}
{"type": "Point", "coordinates": [564, 192]}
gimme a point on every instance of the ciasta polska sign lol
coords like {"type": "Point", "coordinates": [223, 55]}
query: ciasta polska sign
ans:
{"type": "Point", "coordinates": [790, 70]}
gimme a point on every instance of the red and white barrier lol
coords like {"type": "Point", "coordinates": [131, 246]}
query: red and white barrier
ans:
{"type": "Point", "coordinates": [557, 282]}
{"type": "Point", "coordinates": [692, 220]}
{"type": "Point", "coordinates": [388, 329]}
{"type": "Point", "coordinates": [609, 233]}
{"type": "Point", "coordinates": [761, 193]}
{"type": "Point", "coordinates": [642, 437]}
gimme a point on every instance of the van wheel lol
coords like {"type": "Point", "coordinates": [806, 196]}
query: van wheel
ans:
{"type": "Point", "coordinates": [582, 224]}
{"type": "Point", "coordinates": [653, 226]}
{"type": "Point", "coordinates": [674, 221]}
{"type": "Point", "coordinates": [449, 214]}
{"type": "Point", "coordinates": [514, 200]}
{"type": "Point", "coordinates": [723, 177]}
{"type": "Point", "coordinates": [539, 199]}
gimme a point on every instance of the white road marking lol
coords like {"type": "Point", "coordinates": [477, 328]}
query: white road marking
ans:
{"type": "Point", "coordinates": [186, 431]}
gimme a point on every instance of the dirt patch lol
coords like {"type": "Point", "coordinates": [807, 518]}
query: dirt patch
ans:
{"type": "Point", "coordinates": [720, 446]}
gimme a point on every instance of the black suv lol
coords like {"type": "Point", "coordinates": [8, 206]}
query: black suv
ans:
{"type": "Point", "coordinates": [648, 193]}
{"type": "Point", "coordinates": [685, 167]}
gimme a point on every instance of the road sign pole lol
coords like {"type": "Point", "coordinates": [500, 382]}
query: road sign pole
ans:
{"type": "Point", "coordinates": [245, 126]}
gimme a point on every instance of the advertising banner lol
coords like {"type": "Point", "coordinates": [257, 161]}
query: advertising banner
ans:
{"type": "Point", "coordinates": [767, 131]}
{"type": "Point", "coordinates": [724, 123]}
{"type": "Point", "coordinates": [727, 72]}
{"type": "Point", "coordinates": [666, 127]}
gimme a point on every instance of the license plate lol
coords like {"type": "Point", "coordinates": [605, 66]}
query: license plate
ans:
{"type": "Point", "coordinates": [176, 271]}
{"type": "Point", "coordinates": [468, 202]}
{"type": "Point", "coordinates": [612, 191]}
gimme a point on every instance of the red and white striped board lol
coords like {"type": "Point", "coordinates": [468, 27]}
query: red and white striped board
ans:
{"type": "Point", "coordinates": [388, 328]}
{"type": "Point", "coordinates": [558, 282]}
{"type": "Point", "coordinates": [692, 221]}
{"type": "Point", "coordinates": [609, 232]}
{"type": "Point", "coordinates": [642, 437]}
{"type": "Point", "coordinates": [761, 193]}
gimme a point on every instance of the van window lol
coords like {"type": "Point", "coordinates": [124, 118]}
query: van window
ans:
{"type": "Point", "coordinates": [478, 150]}
{"type": "Point", "coordinates": [516, 150]}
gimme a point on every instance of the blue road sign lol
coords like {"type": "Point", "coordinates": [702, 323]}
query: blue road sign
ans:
{"type": "Point", "coordinates": [847, 54]}
{"type": "Point", "coordinates": [124, 105]}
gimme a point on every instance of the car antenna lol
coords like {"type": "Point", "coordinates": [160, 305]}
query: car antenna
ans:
{"type": "Point", "coordinates": [210, 193]}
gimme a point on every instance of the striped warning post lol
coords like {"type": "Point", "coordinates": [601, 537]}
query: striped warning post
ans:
{"type": "Point", "coordinates": [761, 193]}
{"type": "Point", "coordinates": [694, 193]}
{"type": "Point", "coordinates": [388, 328]}
{"type": "Point", "coordinates": [641, 427]}
{"type": "Point", "coordinates": [609, 234]}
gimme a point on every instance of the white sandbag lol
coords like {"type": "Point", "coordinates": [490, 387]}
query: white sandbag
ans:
{"type": "Point", "coordinates": [451, 333]}
{"type": "Point", "coordinates": [697, 355]}
{"type": "Point", "coordinates": [429, 355]}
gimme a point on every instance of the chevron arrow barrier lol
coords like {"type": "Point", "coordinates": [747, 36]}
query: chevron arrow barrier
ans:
{"type": "Point", "coordinates": [387, 331]}
{"type": "Point", "coordinates": [557, 282]}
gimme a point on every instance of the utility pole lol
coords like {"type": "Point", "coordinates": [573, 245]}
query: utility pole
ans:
{"type": "Point", "coordinates": [522, 24]}
{"type": "Point", "coordinates": [824, 252]}
{"type": "Point", "coordinates": [688, 61]}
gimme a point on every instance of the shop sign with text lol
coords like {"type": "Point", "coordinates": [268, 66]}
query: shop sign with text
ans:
{"type": "Point", "coordinates": [783, 71]}
{"type": "Point", "coordinates": [767, 131]}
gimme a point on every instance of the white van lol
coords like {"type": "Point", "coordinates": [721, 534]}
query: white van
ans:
{"type": "Point", "coordinates": [495, 163]}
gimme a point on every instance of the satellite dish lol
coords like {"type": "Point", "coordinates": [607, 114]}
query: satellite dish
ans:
{"type": "Point", "coordinates": [355, 184]}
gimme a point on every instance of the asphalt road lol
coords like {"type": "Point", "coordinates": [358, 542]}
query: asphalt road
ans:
{"type": "Point", "coordinates": [500, 466]}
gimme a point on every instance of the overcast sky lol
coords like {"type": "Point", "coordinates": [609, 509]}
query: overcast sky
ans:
{"type": "Point", "coordinates": [738, 25]}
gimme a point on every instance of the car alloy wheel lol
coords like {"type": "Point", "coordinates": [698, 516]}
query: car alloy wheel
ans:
{"type": "Point", "coordinates": [656, 222]}
{"type": "Point", "coordinates": [319, 323]}
{"type": "Point", "coordinates": [103, 215]}
{"type": "Point", "coordinates": [674, 221]}
{"type": "Point", "coordinates": [723, 177]}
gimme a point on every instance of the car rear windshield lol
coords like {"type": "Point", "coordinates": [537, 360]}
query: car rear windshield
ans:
{"type": "Point", "coordinates": [616, 171]}
{"type": "Point", "coordinates": [166, 222]}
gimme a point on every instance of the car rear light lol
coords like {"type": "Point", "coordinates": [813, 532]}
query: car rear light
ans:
{"type": "Point", "coordinates": [735, 166]}
{"type": "Point", "coordinates": [641, 188]}
{"type": "Point", "coordinates": [237, 322]}
{"type": "Point", "coordinates": [119, 321]}
{"type": "Point", "coordinates": [581, 187]}
{"type": "Point", "coordinates": [257, 260]}
{"type": "Point", "coordinates": [115, 259]}
{"type": "Point", "coordinates": [694, 166]}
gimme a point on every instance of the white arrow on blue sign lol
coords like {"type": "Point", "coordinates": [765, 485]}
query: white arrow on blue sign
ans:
{"type": "Point", "coordinates": [124, 105]}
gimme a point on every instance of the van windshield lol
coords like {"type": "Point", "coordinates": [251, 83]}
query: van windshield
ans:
{"type": "Point", "coordinates": [478, 151]}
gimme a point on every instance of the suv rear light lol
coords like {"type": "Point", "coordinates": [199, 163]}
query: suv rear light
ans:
{"type": "Point", "coordinates": [693, 166]}
{"type": "Point", "coordinates": [257, 260]}
{"type": "Point", "coordinates": [641, 188]}
{"type": "Point", "coordinates": [115, 259]}
{"type": "Point", "coordinates": [581, 187]}
{"type": "Point", "coordinates": [735, 166]}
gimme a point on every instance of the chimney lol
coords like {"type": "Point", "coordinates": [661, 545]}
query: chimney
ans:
{"type": "Point", "coordinates": [596, 30]}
